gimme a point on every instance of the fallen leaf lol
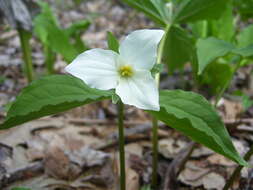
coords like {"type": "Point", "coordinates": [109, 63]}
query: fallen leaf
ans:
{"type": "Point", "coordinates": [213, 181]}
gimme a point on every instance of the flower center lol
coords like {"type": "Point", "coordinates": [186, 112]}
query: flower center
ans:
{"type": "Point", "coordinates": [126, 71]}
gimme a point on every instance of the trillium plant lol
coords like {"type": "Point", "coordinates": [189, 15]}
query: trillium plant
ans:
{"type": "Point", "coordinates": [128, 74]}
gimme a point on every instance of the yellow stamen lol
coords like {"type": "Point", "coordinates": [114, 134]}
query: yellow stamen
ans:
{"type": "Point", "coordinates": [126, 71]}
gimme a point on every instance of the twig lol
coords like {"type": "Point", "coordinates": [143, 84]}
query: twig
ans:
{"type": "Point", "coordinates": [29, 171]}
{"type": "Point", "coordinates": [103, 122]}
{"type": "Point", "coordinates": [237, 171]}
{"type": "Point", "coordinates": [176, 166]}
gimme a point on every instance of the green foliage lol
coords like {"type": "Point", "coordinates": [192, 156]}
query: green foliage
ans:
{"type": "Point", "coordinates": [192, 115]}
{"type": "Point", "coordinates": [245, 52]}
{"type": "Point", "coordinates": [146, 187]}
{"type": "Point", "coordinates": [224, 27]}
{"type": "Point", "coordinates": [158, 68]}
{"type": "Point", "coordinates": [245, 38]}
{"type": "Point", "coordinates": [208, 50]}
{"type": "Point", "coordinates": [178, 48]}
{"type": "Point", "coordinates": [113, 43]}
{"type": "Point", "coordinates": [74, 31]}
{"type": "Point", "coordinates": [50, 95]}
{"type": "Point", "coordinates": [2, 79]}
{"type": "Point", "coordinates": [217, 75]}
{"type": "Point", "coordinates": [194, 10]}
{"type": "Point", "coordinates": [245, 8]}
{"type": "Point", "coordinates": [155, 9]}
{"type": "Point", "coordinates": [246, 102]}
{"type": "Point", "coordinates": [52, 35]}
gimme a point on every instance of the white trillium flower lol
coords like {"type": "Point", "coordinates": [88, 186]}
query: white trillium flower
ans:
{"type": "Point", "coordinates": [129, 72]}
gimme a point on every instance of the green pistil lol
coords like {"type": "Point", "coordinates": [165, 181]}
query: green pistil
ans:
{"type": "Point", "coordinates": [126, 71]}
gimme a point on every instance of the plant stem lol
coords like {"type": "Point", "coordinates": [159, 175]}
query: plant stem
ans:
{"type": "Point", "coordinates": [237, 171]}
{"type": "Point", "coordinates": [49, 59]}
{"type": "Point", "coordinates": [155, 151]}
{"type": "Point", "coordinates": [155, 121]}
{"type": "Point", "coordinates": [205, 29]}
{"type": "Point", "coordinates": [121, 145]}
{"type": "Point", "coordinates": [24, 37]}
{"type": "Point", "coordinates": [220, 94]}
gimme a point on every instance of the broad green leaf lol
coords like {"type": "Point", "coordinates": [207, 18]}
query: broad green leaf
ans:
{"type": "Point", "coordinates": [48, 31]}
{"type": "Point", "coordinates": [224, 28]}
{"type": "Point", "coordinates": [208, 50]}
{"type": "Point", "coordinates": [112, 42]}
{"type": "Point", "coordinates": [75, 31]}
{"type": "Point", "coordinates": [178, 48]}
{"type": "Point", "coordinates": [155, 9]}
{"type": "Point", "coordinates": [217, 75]}
{"type": "Point", "coordinates": [245, 37]}
{"type": "Point", "coordinates": [77, 27]}
{"type": "Point", "coordinates": [194, 10]}
{"type": "Point", "coordinates": [162, 8]}
{"type": "Point", "coordinates": [245, 52]}
{"type": "Point", "coordinates": [192, 115]}
{"type": "Point", "coordinates": [50, 95]}
{"type": "Point", "coordinates": [200, 29]}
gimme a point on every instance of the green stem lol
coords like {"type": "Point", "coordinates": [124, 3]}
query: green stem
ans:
{"type": "Point", "coordinates": [220, 94]}
{"type": "Point", "coordinates": [205, 29]}
{"type": "Point", "coordinates": [155, 151]}
{"type": "Point", "coordinates": [237, 171]}
{"type": "Point", "coordinates": [121, 145]}
{"type": "Point", "coordinates": [49, 60]}
{"type": "Point", "coordinates": [155, 121]}
{"type": "Point", "coordinates": [24, 37]}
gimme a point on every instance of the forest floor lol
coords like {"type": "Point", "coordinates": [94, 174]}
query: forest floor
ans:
{"type": "Point", "coordinates": [77, 150]}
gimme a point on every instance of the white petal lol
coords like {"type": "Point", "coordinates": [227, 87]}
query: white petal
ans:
{"type": "Point", "coordinates": [140, 90]}
{"type": "Point", "coordinates": [96, 67]}
{"type": "Point", "coordinates": [140, 48]}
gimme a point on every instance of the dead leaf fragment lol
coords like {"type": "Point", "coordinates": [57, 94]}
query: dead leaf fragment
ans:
{"type": "Point", "coordinates": [213, 181]}
{"type": "Point", "coordinates": [169, 148]}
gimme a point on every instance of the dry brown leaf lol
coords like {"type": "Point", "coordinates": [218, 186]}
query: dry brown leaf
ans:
{"type": "Point", "coordinates": [132, 180]}
{"type": "Point", "coordinates": [169, 148]}
{"type": "Point", "coordinates": [220, 160]}
{"type": "Point", "coordinates": [193, 174]}
{"type": "Point", "coordinates": [213, 181]}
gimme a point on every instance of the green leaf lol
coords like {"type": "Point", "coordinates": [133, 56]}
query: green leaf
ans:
{"type": "Point", "coordinates": [217, 75]}
{"type": "Point", "coordinates": [224, 27]}
{"type": "Point", "coordinates": [51, 35]}
{"type": "Point", "coordinates": [194, 10]}
{"type": "Point", "coordinates": [51, 95]}
{"type": "Point", "coordinates": [155, 9]}
{"type": "Point", "coordinates": [158, 68]}
{"type": "Point", "coordinates": [245, 8]}
{"type": "Point", "coordinates": [245, 37]}
{"type": "Point", "coordinates": [115, 98]}
{"type": "Point", "coordinates": [245, 52]}
{"type": "Point", "coordinates": [113, 43]}
{"type": "Point", "coordinates": [178, 48]}
{"type": "Point", "coordinates": [192, 115]}
{"type": "Point", "coordinates": [246, 102]}
{"type": "Point", "coordinates": [208, 50]}
{"type": "Point", "coordinates": [77, 27]}
{"type": "Point", "coordinates": [2, 79]}
{"type": "Point", "coordinates": [146, 187]}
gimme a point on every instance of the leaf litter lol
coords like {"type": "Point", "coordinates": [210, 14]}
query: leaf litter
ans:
{"type": "Point", "coordinates": [57, 153]}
